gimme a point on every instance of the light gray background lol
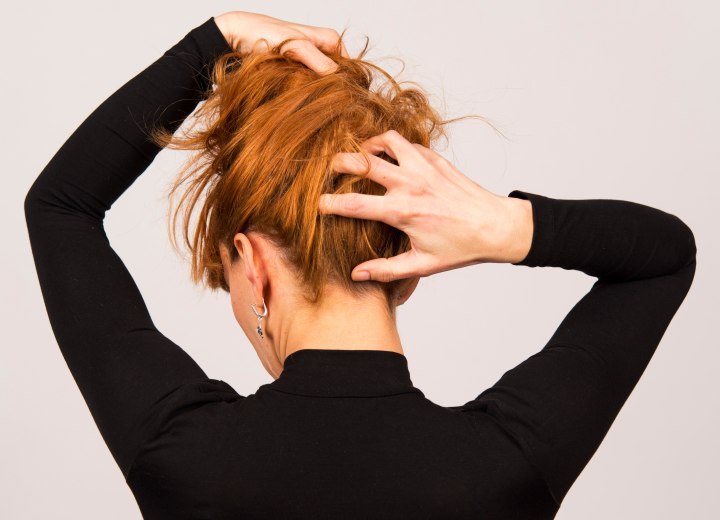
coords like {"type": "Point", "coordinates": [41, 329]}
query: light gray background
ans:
{"type": "Point", "coordinates": [608, 99]}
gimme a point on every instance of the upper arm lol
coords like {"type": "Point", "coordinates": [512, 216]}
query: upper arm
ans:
{"type": "Point", "coordinates": [559, 403]}
{"type": "Point", "coordinates": [121, 363]}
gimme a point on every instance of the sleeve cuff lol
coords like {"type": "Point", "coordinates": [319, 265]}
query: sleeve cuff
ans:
{"type": "Point", "coordinates": [210, 41]}
{"type": "Point", "coordinates": [541, 247]}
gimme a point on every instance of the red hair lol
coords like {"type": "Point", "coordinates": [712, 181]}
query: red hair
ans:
{"type": "Point", "coordinates": [271, 128]}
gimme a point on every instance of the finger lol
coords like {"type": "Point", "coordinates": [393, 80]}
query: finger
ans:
{"type": "Point", "coordinates": [434, 158]}
{"type": "Point", "coordinates": [393, 144]}
{"type": "Point", "coordinates": [429, 154]}
{"type": "Point", "coordinates": [440, 163]}
{"type": "Point", "coordinates": [328, 39]}
{"type": "Point", "coordinates": [337, 39]}
{"type": "Point", "coordinates": [404, 265]}
{"type": "Point", "coordinates": [356, 205]}
{"type": "Point", "coordinates": [324, 38]}
{"type": "Point", "coordinates": [380, 171]}
{"type": "Point", "coordinates": [374, 146]}
{"type": "Point", "coordinates": [305, 52]}
{"type": "Point", "coordinates": [343, 50]}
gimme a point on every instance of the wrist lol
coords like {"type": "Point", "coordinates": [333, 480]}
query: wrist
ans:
{"type": "Point", "coordinates": [517, 237]}
{"type": "Point", "coordinates": [225, 23]}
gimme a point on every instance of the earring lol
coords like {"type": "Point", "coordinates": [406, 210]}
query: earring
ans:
{"type": "Point", "coordinates": [260, 317]}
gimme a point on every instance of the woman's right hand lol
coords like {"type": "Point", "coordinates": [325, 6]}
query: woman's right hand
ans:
{"type": "Point", "coordinates": [451, 221]}
{"type": "Point", "coordinates": [245, 31]}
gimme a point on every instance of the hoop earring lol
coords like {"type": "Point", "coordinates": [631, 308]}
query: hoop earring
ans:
{"type": "Point", "coordinates": [260, 317]}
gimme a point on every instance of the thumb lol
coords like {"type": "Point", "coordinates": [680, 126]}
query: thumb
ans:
{"type": "Point", "coordinates": [404, 265]}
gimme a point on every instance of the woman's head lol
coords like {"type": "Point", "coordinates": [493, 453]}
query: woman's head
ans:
{"type": "Point", "coordinates": [270, 128]}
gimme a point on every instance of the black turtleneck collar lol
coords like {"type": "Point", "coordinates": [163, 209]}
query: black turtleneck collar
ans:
{"type": "Point", "coordinates": [345, 373]}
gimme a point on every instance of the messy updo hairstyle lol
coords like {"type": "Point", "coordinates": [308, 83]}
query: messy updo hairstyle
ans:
{"type": "Point", "coordinates": [265, 136]}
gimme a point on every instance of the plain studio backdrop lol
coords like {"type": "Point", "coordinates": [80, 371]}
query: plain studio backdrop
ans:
{"type": "Point", "coordinates": [607, 99]}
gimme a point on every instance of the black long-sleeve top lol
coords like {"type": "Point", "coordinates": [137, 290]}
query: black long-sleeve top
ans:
{"type": "Point", "coordinates": [340, 434]}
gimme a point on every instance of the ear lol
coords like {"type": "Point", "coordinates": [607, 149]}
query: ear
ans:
{"type": "Point", "coordinates": [408, 287]}
{"type": "Point", "coordinates": [225, 259]}
{"type": "Point", "coordinates": [253, 264]}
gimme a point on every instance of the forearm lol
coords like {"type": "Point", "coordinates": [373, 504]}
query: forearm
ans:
{"type": "Point", "coordinates": [610, 239]}
{"type": "Point", "coordinates": [559, 403]}
{"type": "Point", "coordinates": [111, 148]}
{"type": "Point", "coordinates": [121, 363]}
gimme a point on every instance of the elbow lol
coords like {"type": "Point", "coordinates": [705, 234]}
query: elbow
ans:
{"type": "Point", "coordinates": [687, 250]}
{"type": "Point", "coordinates": [31, 204]}
{"type": "Point", "coordinates": [692, 246]}
{"type": "Point", "coordinates": [35, 204]}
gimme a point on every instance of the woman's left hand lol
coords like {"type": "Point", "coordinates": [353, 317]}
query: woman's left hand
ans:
{"type": "Point", "coordinates": [243, 30]}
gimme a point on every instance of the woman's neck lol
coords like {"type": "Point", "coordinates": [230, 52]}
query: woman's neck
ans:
{"type": "Point", "coordinates": [341, 322]}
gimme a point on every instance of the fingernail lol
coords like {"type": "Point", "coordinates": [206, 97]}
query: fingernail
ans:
{"type": "Point", "coordinates": [362, 276]}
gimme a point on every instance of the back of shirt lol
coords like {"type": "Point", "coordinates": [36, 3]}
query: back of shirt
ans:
{"type": "Point", "coordinates": [316, 444]}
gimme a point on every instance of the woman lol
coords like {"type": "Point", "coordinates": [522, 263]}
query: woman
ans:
{"type": "Point", "coordinates": [290, 223]}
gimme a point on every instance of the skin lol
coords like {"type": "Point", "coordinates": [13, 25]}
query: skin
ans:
{"type": "Point", "coordinates": [245, 31]}
{"type": "Point", "coordinates": [341, 321]}
{"type": "Point", "coordinates": [451, 221]}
